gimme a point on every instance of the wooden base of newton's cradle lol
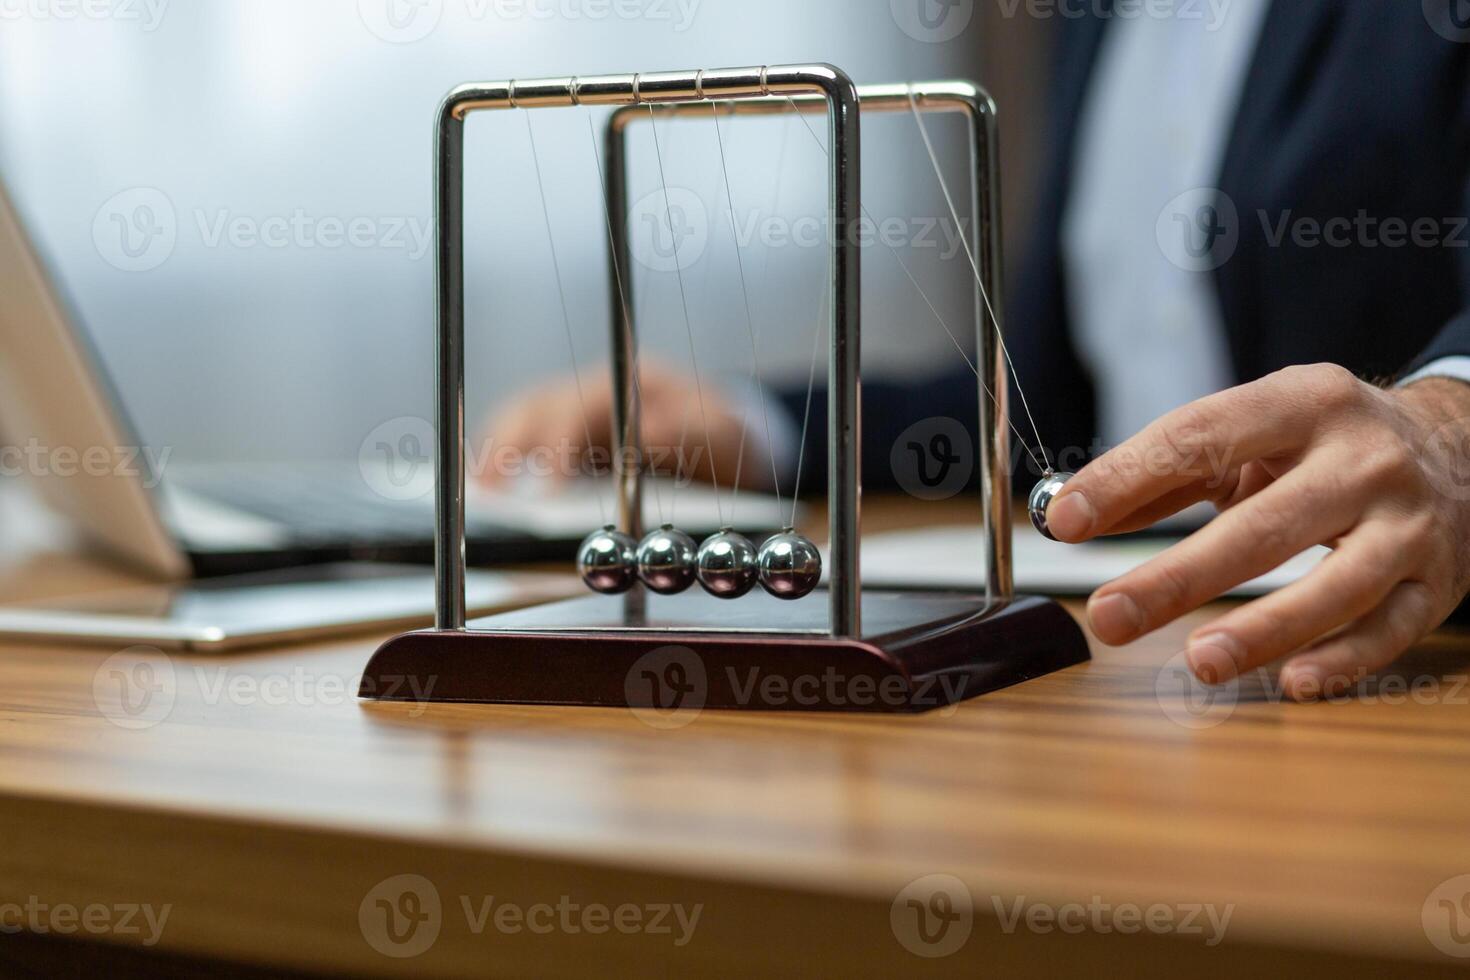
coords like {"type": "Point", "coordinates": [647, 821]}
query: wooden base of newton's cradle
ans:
{"type": "Point", "coordinates": [918, 651]}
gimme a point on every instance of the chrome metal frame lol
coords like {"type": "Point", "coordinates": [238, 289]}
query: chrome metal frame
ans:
{"type": "Point", "coordinates": [815, 87]}
{"type": "Point", "coordinates": [964, 98]}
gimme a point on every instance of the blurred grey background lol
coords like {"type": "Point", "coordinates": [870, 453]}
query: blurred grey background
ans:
{"type": "Point", "coordinates": [236, 194]}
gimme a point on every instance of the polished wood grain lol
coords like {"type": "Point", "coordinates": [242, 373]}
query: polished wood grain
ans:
{"type": "Point", "coordinates": [267, 803]}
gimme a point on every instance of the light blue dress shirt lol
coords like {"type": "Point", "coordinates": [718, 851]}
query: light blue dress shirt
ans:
{"type": "Point", "coordinates": [1145, 313]}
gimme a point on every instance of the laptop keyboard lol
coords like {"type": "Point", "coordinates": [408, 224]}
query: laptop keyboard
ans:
{"type": "Point", "coordinates": [319, 509]}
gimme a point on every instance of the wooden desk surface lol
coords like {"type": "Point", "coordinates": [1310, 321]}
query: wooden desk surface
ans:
{"type": "Point", "coordinates": [266, 804]}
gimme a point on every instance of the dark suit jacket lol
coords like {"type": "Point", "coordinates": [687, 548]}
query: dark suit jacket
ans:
{"type": "Point", "coordinates": [1350, 108]}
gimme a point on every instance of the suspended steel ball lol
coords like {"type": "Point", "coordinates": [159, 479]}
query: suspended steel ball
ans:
{"type": "Point", "coordinates": [727, 565]}
{"type": "Point", "coordinates": [607, 560]}
{"type": "Point", "coordinates": [1046, 491]}
{"type": "Point", "coordinates": [666, 560]}
{"type": "Point", "coordinates": [790, 565]}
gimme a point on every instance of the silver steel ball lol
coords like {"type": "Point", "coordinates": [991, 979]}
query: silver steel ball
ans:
{"type": "Point", "coordinates": [727, 565]}
{"type": "Point", "coordinates": [790, 565]}
{"type": "Point", "coordinates": [607, 560]}
{"type": "Point", "coordinates": [1041, 497]}
{"type": "Point", "coordinates": [666, 560]}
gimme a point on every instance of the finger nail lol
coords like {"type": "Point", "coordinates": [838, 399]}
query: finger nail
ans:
{"type": "Point", "coordinates": [1070, 517]}
{"type": "Point", "coordinates": [1115, 618]}
{"type": "Point", "coordinates": [1212, 658]}
{"type": "Point", "coordinates": [1304, 682]}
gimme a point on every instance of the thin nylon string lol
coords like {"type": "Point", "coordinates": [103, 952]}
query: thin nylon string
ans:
{"type": "Point", "coordinates": [975, 267]}
{"type": "Point", "coordinates": [776, 191]}
{"type": "Point", "coordinates": [561, 296]}
{"type": "Point", "coordinates": [960, 347]}
{"type": "Point", "coordinates": [817, 332]}
{"type": "Point", "coordinates": [933, 310]}
{"type": "Point", "coordinates": [688, 330]}
{"type": "Point", "coordinates": [750, 332]}
{"type": "Point", "coordinates": [627, 312]}
{"type": "Point", "coordinates": [806, 417]}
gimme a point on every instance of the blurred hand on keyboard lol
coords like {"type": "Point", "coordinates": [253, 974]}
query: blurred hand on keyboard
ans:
{"type": "Point", "coordinates": [544, 433]}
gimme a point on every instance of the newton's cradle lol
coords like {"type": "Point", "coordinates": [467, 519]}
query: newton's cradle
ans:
{"type": "Point", "coordinates": [926, 648]}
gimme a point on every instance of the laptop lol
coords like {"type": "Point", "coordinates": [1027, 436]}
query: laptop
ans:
{"type": "Point", "coordinates": [179, 521]}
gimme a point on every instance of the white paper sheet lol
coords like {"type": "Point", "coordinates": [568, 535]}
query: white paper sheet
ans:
{"type": "Point", "coordinates": [952, 557]}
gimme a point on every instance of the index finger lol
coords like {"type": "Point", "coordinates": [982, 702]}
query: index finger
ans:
{"type": "Point", "coordinates": [1202, 442]}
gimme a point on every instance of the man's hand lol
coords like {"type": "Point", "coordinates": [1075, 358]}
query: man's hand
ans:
{"type": "Point", "coordinates": [550, 421]}
{"type": "Point", "coordinates": [1306, 456]}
